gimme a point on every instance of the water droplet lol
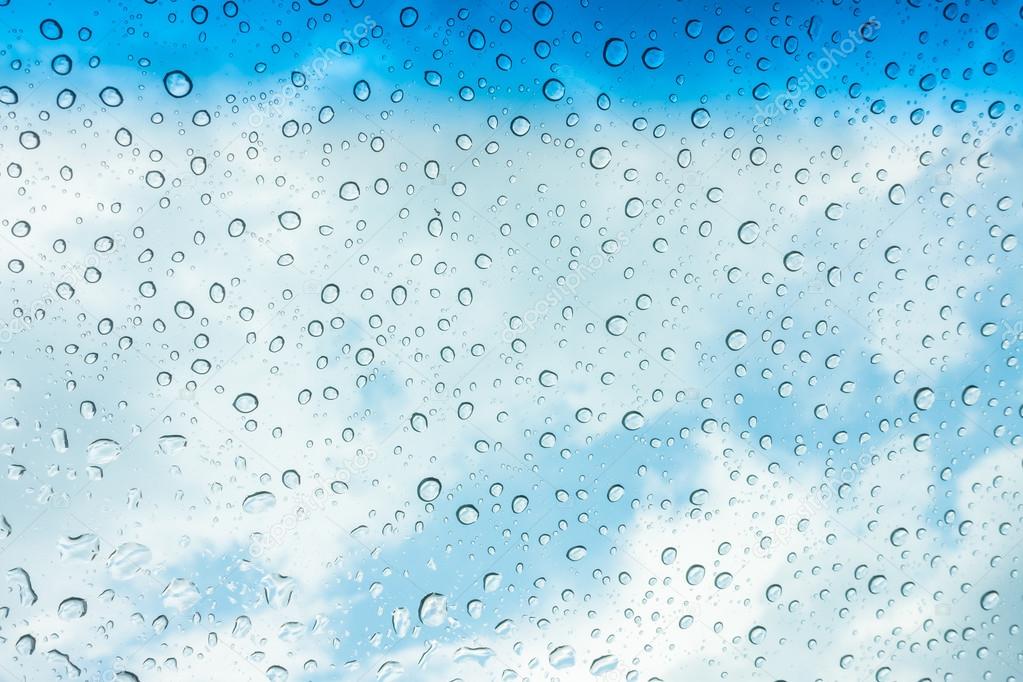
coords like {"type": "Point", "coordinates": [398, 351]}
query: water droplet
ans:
{"type": "Point", "coordinates": [736, 339]}
{"type": "Point", "coordinates": [349, 191]}
{"type": "Point", "coordinates": [924, 398]}
{"type": "Point", "coordinates": [616, 325]}
{"type": "Point", "coordinates": [259, 502]}
{"type": "Point", "coordinates": [177, 83]}
{"type": "Point", "coordinates": [51, 30]}
{"type": "Point", "coordinates": [408, 17]}
{"type": "Point", "coordinates": [543, 14]}
{"type": "Point", "coordinates": [433, 610]}
{"type": "Point", "coordinates": [467, 514]}
{"type": "Point", "coordinates": [520, 126]}
{"type": "Point", "coordinates": [245, 403]}
{"type": "Point", "coordinates": [429, 489]}
{"type": "Point", "coordinates": [72, 608]}
{"type": "Point", "coordinates": [103, 451]}
{"type": "Point", "coordinates": [653, 57]}
{"type": "Point", "coordinates": [700, 118]}
{"type": "Point", "coordinates": [553, 89]}
{"type": "Point", "coordinates": [897, 194]}
{"type": "Point", "coordinates": [695, 574]}
{"type": "Point", "coordinates": [616, 51]}
{"type": "Point", "coordinates": [633, 421]}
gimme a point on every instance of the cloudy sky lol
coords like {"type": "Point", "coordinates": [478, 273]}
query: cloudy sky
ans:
{"type": "Point", "coordinates": [518, 341]}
